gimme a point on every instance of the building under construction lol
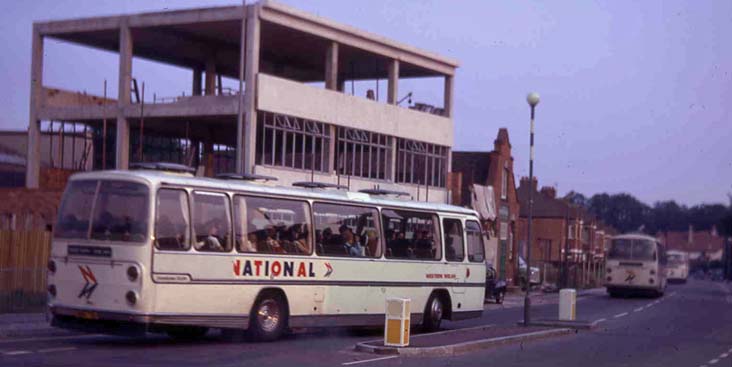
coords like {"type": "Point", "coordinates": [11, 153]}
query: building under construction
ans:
{"type": "Point", "coordinates": [294, 115]}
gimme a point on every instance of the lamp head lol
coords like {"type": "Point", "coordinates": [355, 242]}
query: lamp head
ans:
{"type": "Point", "coordinates": [532, 99]}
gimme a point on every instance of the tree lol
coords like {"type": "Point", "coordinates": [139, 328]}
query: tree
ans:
{"type": "Point", "coordinates": [575, 198]}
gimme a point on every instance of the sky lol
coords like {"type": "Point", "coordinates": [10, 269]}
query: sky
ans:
{"type": "Point", "coordinates": [635, 96]}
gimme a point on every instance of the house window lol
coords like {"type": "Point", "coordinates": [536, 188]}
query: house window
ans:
{"type": "Point", "coordinates": [421, 163]}
{"type": "Point", "coordinates": [570, 234]}
{"type": "Point", "coordinates": [292, 142]}
{"type": "Point", "coordinates": [363, 153]}
{"type": "Point", "coordinates": [504, 184]}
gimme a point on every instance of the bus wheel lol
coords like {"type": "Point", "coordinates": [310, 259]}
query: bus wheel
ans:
{"type": "Point", "coordinates": [186, 332]}
{"type": "Point", "coordinates": [433, 313]}
{"type": "Point", "coordinates": [268, 318]}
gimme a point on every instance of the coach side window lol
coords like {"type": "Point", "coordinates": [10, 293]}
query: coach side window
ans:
{"type": "Point", "coordinates": [453, 230]}
{"type": "Point", "coordinates": [342, 230]}
{"type": "Point", "coordinates": [171, 220]}
{"type": "Point", "coordinates": [272, 226]}
{"type": "Point", "coordinates": [411, 235]}
{"type": "Point", "coordinates": [474, 236]}
{"type": "Point", "coordinates": [211, 222]}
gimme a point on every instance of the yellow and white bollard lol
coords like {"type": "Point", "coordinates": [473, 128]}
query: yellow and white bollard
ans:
{"type": "Point", "coordinates": [396, 328]}
{"type": "Point", "coordinates": [567, 304]}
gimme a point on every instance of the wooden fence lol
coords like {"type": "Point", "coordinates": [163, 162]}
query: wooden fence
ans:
{"type": "Point", "coordinates": [23, 258]}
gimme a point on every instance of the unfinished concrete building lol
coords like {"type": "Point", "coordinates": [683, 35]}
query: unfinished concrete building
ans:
{"type": "Point", "coordinates": [292, 116]}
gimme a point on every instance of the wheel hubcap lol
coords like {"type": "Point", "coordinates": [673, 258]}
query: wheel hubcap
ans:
{"type": "Point", "coordinates": [268, 315]}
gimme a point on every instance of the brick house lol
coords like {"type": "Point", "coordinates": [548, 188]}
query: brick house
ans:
{"type": "Point", "coordinates": [495, 169]}
{"type": "Point", "coordinates": [559, 227]}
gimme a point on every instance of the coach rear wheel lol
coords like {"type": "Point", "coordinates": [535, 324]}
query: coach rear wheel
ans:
{"type": "Point", "coordinates": [433, 313]}
{"type": "Point", "coordinates": [269, 318]}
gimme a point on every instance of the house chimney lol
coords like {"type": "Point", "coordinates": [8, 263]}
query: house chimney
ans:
{"type": "Point", "coordinates": [525, 182]}
{"type": "Point", "coordinates": [549, 192]}
{"type": "Point", "coordinates": [691, 234]}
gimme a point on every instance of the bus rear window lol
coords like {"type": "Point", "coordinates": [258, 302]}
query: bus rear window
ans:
{"type": "Point", "coordinates": [120, 211]}
{"type": "Point", "coordinates": [627, 249]}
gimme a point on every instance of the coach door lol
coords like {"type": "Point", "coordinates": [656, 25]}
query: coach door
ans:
{"type": "Point", "coordinates": [452, 229]}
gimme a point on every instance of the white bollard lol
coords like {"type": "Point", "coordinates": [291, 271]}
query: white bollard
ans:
{"type": "Point", "coordinates": [567, 304]}
{"type": "Point", "coordinates": [396, 328]}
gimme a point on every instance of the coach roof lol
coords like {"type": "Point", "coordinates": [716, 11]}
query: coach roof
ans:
{"type": "Point", "coordinates": [163, 178]}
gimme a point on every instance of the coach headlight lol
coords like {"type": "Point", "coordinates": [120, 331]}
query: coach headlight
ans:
{"type": "Point", "coordinates": [650, 280]}
{"type": "Point", "coordinates": [653, 272]}
{"type": "Point", "coordinates": [132, 273]}
{"type": "Point", "coordinates": [51, 267]}
{"type": "Point", "coordinates": [131, 297]}
{"type": "Point", "coordinates": [609, 270]}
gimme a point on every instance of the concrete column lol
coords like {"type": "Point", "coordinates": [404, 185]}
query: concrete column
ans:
{"type": "Point", "coordinates": [196, 91]}
{"type": "Point", "coordinates": [239, 167]}
{"type": "Point", "coordinates": [208, 158]}
{"type": "Point", "coordinates": [250, 96]}
{"type": "Point", "coordinates": [331, 66]}
{"type": "Point", "coordinates": [332, 149]}
{"type": "Point", "coordinates": [393, 87]}
{"type": "Point", "coordinates": [393, 162]}
{"type": "Point", "coordinates": [122, 145]}
{"type": "Point", "coordinates": [449, 95]}
{"type": "Point", "coordinates": [210, 77]}
{"type": "Point", "coordinates": [33, 160]}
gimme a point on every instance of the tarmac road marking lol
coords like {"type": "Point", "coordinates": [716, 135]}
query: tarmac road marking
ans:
{"type": "Point", "coordinates": [713, 361]}
{"type": "Point", "coordinates": [621, 315]}
{"type": "Point", "coordinates": [61, 349]}
{"type": "Point", "coordinates": [49, 338]}
{"type": "Point", "coordinates": [16, 352]}
{"type": "Point", "coordinates": [723, 355]}
{"type": "Point", "coordinates": [639, 309]}
{"type": "Point", "coordinates": [368, 360]}
{"type": "Point", "coordinates": [600, 320]}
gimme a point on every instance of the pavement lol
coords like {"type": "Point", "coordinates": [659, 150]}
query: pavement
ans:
{"type": "Point", "coordinates": [690, 326]}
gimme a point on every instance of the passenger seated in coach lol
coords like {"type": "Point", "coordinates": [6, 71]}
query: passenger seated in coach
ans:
{"type": "Point", "coordinates": [272, 244]}
{"type": "Point", "coordinates": [372, 243]}
{"type": "Point", "coordinates": [213, 240]}
{"type": "Point", "coordinates": [350, 243]}
{"type": "Point", "coordinates": [249, 244]}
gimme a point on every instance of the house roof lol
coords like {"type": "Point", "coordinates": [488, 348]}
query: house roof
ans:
{"type": "Point", "coordinates": [696, 241]}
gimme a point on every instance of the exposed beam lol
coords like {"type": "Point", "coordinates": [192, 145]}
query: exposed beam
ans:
{"type": "Point", "coordinates": [302, 21]}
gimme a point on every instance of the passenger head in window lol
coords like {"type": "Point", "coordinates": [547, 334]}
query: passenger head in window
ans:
{"type": "Point", "coordinates": [300, 239]}
{"type": "Point", "coordinates": [272, 241]}
{"type": "Point", "coordinates": [350, 243]}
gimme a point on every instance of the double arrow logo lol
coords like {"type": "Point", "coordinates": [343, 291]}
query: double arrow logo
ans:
{"type": "Point", "coordinates": [91, 282]}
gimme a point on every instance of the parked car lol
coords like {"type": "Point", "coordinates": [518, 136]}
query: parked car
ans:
{"type": "Point", "coordinates": [495, 288]}
{"type": "Point", "coordinates": [535, 278]}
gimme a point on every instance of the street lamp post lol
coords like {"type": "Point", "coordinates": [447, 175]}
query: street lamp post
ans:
{"type": "Point", "coordinates": [533, 100]}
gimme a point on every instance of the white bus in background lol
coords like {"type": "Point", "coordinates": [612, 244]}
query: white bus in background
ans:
{"type": "Point", "coordinates": [678, 266]}
{"type": "Point", "coordinates": [635, 264]}
{"type": "Point", "coordinates": [150, 251]}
